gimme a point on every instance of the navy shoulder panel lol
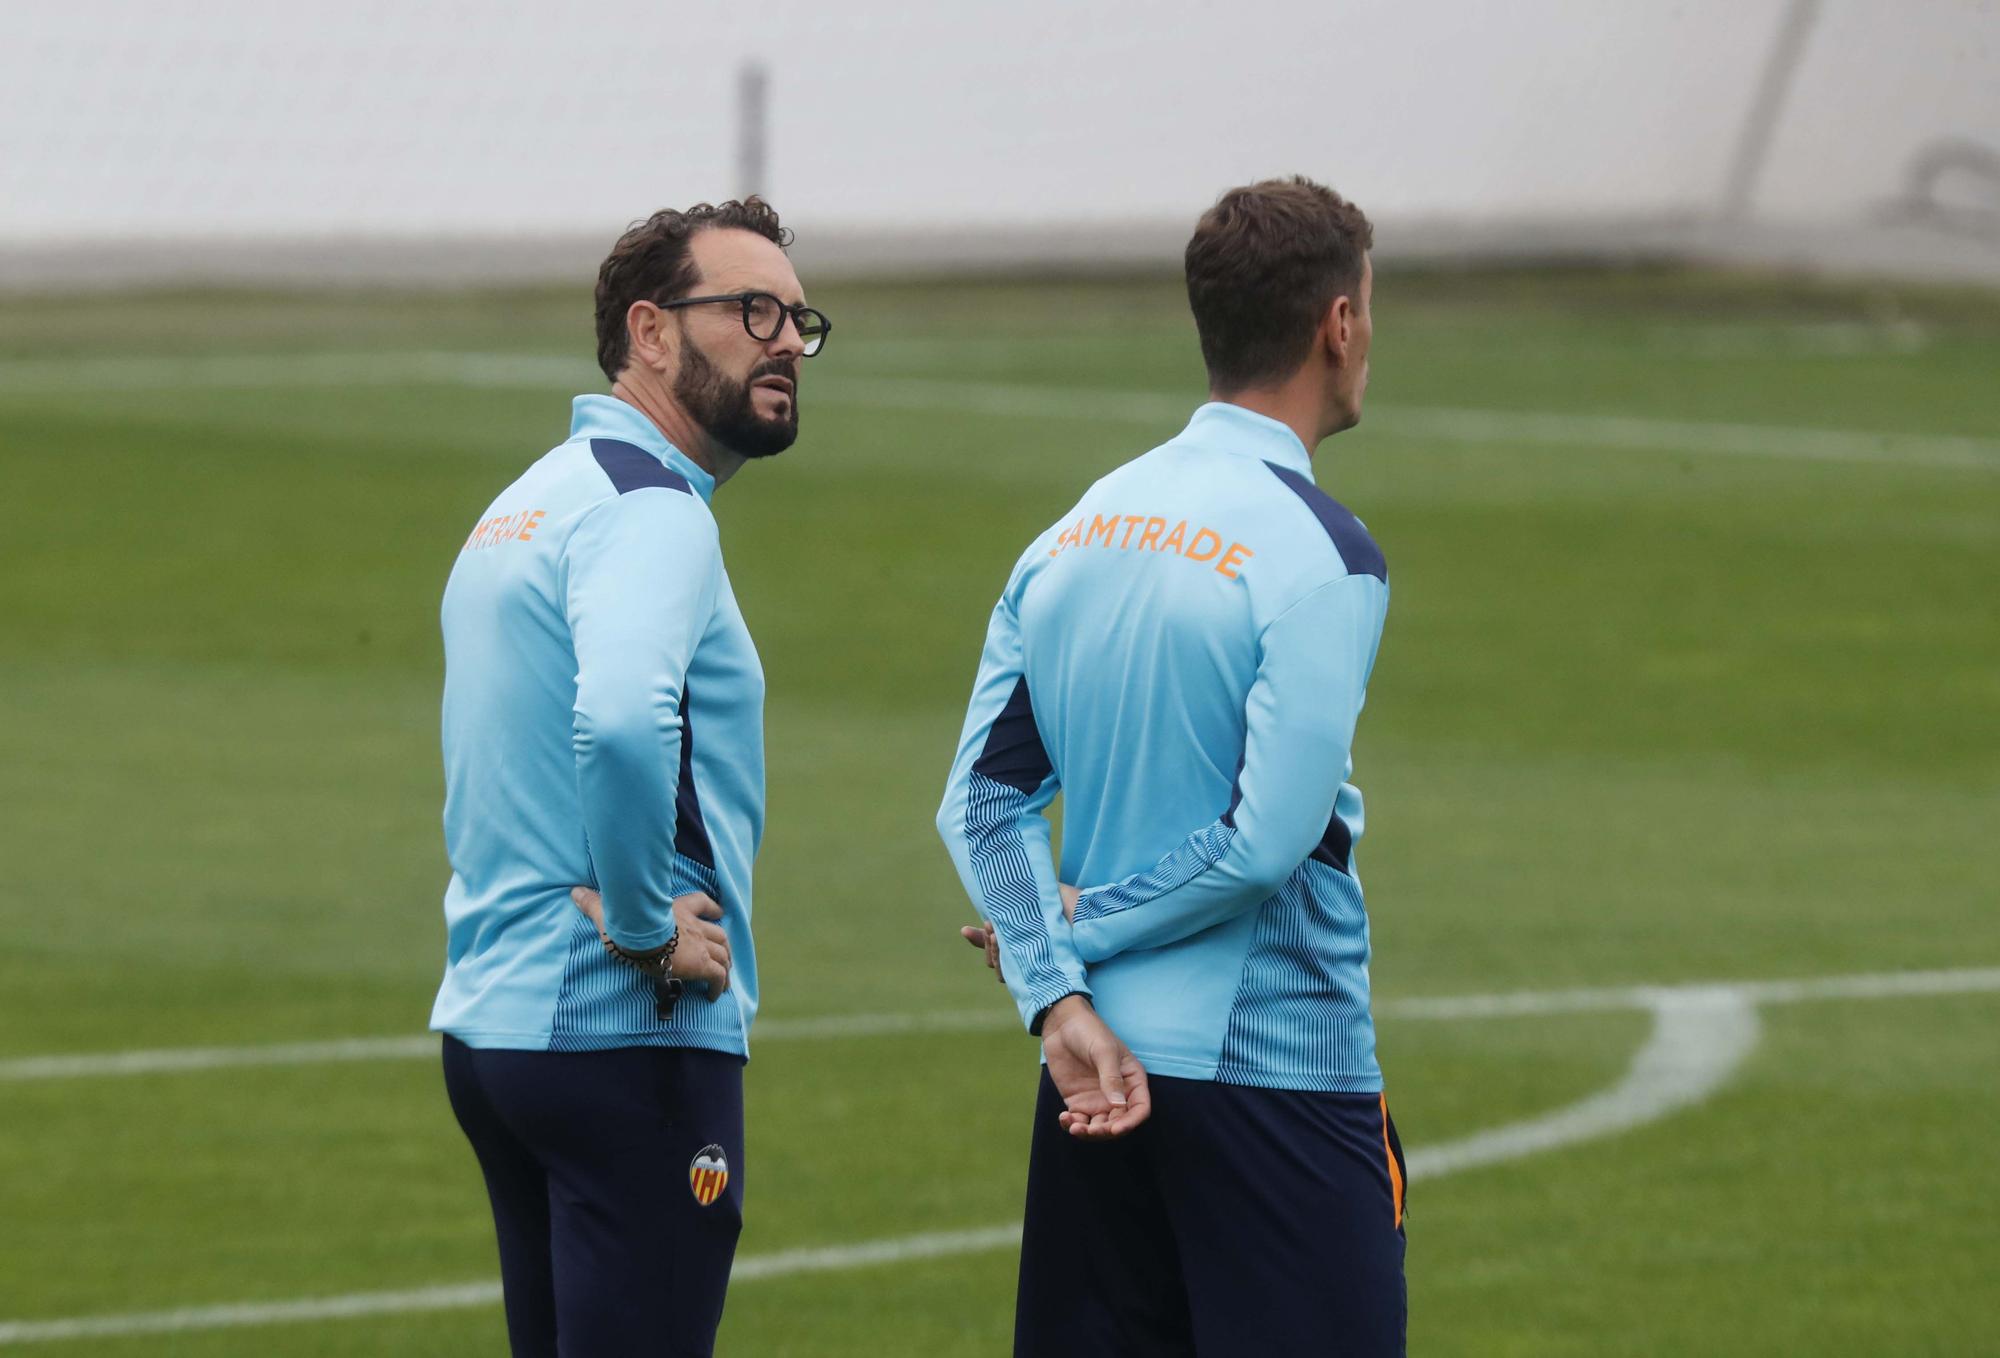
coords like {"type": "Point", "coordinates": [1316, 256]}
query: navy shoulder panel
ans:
{"type": "Point", "coordinates": [690, 829]}
{"type": "Point", "coordinates": [1350, 539]}
{"type": "Point", "coordinates": [632, 468]}
{"type": "Point", "coordinates": [1014, 752]}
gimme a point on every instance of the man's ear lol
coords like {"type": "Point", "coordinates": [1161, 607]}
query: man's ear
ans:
{"type": "Point", "coordinates": [652, 340]}
{"type": "Point", "coordinates": [1337, 329]}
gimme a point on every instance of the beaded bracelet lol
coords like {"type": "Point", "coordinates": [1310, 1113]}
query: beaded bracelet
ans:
{"type": "Point", "coordinates": [657, 966]}
{"type": "Point", "coordinates": [655, 962]}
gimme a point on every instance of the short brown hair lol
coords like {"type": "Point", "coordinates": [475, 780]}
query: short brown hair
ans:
{"type": "Point", "coordinates": [650, 263]}
{"type": "Point", "coordinates": [1262, 268]}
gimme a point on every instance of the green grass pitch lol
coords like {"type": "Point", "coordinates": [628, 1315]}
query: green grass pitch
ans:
{"type": "Point", "coordinates": [1649, 709]}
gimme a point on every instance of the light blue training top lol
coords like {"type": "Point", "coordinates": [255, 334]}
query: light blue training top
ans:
{"type": "Point", "coordinates": [603, 726]}
{"type": "Point", "coordinates": [1184, 656]}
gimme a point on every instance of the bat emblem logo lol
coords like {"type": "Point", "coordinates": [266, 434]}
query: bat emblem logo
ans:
{"type": "Point", "coordinates": [708, 1175]}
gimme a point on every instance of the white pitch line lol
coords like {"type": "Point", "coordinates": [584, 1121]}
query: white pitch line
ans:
{"type": "Point", "coordinates": [1440, 424]}
{"type": "Point", "coordinates": [88, 1065]}
{"type": "Point", "coordinates": [1443, 425]}
{"type": "Point", "coordinates": [1858, 986]}
{"type": "Point", "coordinates": [1698, 1041]}
{"type": "Point", "coordinates": [173, 1060]}
{"type": "Point", "coordinates": [278, 372]}
{"type": "Point", "coordinates": [461, 1296]}
{"type": "Point", "coordinates": [236, 1315]}
{"type": "Point", "coordinates": [1001, 398]}
{"type": "Point", "coordinates": [894, 1250]}
{"type": "Point", "coordinates": [1435, 424]}
{"type": "Point", "coordinates": [1873, 985]}
{"type": "Point", "coordinates": [886, 1025]}
{"type": "Point", "coordinates": [1701, 1035]}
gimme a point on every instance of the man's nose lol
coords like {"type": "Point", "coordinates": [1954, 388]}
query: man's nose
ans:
{"type": "Point", "coordinates": [788, 340]}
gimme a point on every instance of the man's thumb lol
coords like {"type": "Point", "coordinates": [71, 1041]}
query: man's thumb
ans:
{"type": "Point", "coordinates": [1109, 1078]}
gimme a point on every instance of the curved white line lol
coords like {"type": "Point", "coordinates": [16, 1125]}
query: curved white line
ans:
{"type": "Point", "coordinates": [1699, 1040]}
{"type": "Point", "coordinates": [1701, 1036]}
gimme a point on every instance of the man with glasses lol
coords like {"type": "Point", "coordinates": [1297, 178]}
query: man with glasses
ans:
{"type": "Point", "coordinates": [604, 798]}
{"type": "Point", "coordinates": [1183, 656]}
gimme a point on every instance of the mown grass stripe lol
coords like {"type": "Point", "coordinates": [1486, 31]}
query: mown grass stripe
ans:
{"type": "Point", "coordinates": [1437, 424]}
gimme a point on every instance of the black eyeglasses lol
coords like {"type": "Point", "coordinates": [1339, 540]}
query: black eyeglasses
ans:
{"type": "Point", "coordinates": [764, 316]}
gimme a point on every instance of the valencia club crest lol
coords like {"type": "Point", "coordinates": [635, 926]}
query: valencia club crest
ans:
{"type": "Point", "coordinates": [708, 1175]}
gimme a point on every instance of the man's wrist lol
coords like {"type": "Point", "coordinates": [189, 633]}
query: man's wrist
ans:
{"type": "Point", "coordinates": [656, 962]}
{"type": "Point", "coordinates": [1082, 998]}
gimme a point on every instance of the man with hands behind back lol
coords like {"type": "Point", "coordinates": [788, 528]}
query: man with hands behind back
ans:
{"type": "Point", "coordinates": [1183, 655]}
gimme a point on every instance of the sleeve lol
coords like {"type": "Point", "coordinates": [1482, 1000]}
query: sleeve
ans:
{"type": "Point", "coordinates": [1299, 718]}
{"type": "Point", "coordinates": [642, 571]}
{"type": "Point", "coordinates": [992, 823]}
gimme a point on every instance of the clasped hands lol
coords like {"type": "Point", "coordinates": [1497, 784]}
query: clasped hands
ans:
{"type": "Point", "coordinates": [702, 950]}
{"type": "Point", "coordinates": [1102, 1084]}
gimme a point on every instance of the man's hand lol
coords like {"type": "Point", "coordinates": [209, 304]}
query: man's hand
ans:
{"type": "Point", "coordinates": [1102, 1084]}
{"type": "Point", "coordinates": [702, 954]}
{"type": "Point", "coordinates": [983, 935]}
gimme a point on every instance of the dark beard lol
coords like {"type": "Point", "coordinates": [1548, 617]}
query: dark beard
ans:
{"type": "Point", "coordinates": [725, 409]}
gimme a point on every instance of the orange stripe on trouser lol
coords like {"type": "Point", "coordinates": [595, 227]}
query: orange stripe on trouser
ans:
{"type": "Point", "coordinates": [1395, 1170]}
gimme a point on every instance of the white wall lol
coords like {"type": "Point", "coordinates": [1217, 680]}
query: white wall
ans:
{"type": "Point", "coordinates": [143, 119]}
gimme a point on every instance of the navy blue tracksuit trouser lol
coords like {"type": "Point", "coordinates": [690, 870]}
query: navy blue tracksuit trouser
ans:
{"type": "Point", "coordinates": [616, 1179]}
{"type": "Point", "coordinates": [1235, 1222]}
